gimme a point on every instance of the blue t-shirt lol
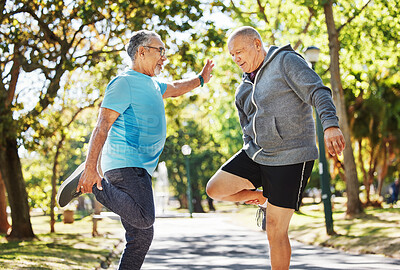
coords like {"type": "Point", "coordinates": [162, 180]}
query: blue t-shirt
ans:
{"type": "Point", "coordinates": [137, 137]}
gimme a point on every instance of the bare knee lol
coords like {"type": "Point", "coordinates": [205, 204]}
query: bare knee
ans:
{"type": "Point", "coordinates": [224, 184]}
{"type": "Point", "coordinates": [277, 225]}
{"type": "Point", "coordinates": [274, 230]}
{"type": "Point", "coordinates": [213, 191]}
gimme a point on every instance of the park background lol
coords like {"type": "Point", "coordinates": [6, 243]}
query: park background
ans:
{"type": "Point", "coordinates": [57, 58]}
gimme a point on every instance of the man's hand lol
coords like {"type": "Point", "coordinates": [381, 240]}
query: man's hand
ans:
{"type": "Point", "coordinates": [334, 141]}
{"type": "Point", "coordinates": [180, 87]}
{"type": "Point", "coordinates": [88, 178]}
{"type": "Point", "coordinates": [206, 71]}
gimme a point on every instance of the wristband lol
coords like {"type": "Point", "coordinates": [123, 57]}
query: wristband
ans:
{"type": "Point", "coordinates": [201, 80]}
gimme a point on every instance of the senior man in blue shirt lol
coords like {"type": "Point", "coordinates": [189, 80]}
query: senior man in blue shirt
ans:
{"type": "Point", "coordinates": [129, 136]}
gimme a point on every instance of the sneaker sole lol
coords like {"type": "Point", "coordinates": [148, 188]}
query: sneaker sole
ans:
{"type": "Point", "coordinates": [67, 190]}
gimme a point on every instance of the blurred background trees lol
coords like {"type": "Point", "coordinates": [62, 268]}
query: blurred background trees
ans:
{"type": "Point", "coordinates": [58, 56]}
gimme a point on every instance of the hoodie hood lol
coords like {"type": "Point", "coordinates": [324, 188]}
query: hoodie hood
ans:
{"type": "Point", "coordinates": [272, 52]}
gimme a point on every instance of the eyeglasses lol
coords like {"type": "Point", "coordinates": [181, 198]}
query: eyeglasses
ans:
{"type": "Point", "coordinates": [160, 49]}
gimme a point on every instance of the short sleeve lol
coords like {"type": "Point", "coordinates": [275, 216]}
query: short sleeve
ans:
{"type": "Point", "coordinates": [162, 86]}
{"type": "Point", "coordinates": [117, 96]}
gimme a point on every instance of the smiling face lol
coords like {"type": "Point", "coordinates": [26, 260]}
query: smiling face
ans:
{"type": "Point", "coordinates": [150, 60]}
{"type": "Point", "coordinates": [248, 53]}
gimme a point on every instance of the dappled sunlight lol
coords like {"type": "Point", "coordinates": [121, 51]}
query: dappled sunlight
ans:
{"type": "Point", "coordinates": [376, 231]}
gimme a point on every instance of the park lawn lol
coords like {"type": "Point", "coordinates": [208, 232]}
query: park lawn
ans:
{"type": "Point", "coordinates": [376, 231]}
{"type": "Point", "coordinates": [70, 247]}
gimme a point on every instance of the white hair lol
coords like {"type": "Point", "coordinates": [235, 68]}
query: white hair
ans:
{"type": "Point", "coordinates": [139, 38]}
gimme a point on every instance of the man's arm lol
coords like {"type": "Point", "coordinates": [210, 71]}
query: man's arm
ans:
{"type": "Point", "coordinates": [178, 88]}
{"type": "Point", "coordinates": [90, 175]}
{"type": "Point", "coordinates": [309, 87]}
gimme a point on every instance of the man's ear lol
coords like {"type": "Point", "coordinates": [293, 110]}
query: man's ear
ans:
{"type": "Point", "coordinates": [141, 51]}
{"type": "Point", "coordinates": [258, 43]}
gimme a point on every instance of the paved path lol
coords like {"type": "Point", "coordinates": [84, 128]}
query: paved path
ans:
{"type": "Point", "coordinates": [211, 241]}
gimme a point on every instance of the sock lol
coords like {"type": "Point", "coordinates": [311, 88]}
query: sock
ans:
{"type": "Point", "coordinates": [264, 204]}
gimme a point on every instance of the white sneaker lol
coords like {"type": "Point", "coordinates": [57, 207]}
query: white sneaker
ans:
{"type": "Point", "coordinates": [67, 190]}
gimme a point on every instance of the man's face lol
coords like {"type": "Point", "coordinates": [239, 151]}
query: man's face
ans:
{"type": "Point", "coordinates": [246, 53]}
{"type": "Point", "coordinates": [155, 57]}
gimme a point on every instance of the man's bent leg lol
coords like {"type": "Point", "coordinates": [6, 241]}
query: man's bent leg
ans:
{"type": "Point", "coordinates": [224, 186]}
{"type": "Point", "coordinates": [138, 242]}
{"type": "Point", "coordinates": [129, 194]}
{"type": "Point", "coordinates": [278, 220]}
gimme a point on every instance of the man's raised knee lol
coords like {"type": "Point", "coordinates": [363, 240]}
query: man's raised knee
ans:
{"type": "Point", "coordinates": [212, 191]}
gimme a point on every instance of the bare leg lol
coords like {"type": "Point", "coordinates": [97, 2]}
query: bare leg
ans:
{"type": "Point", "coordinates": [224, 186]}
{"type": "Point", "coordinates": [278, 220]}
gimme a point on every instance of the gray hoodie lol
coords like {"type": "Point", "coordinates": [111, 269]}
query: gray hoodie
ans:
{"type": "Point", "coordinates": [275, 111]}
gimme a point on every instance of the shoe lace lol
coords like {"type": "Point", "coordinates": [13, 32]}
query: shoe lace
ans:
{"type": "Point", "coordinates": [259, 216]}
{"type": "Point", "coordinates": [76, 194]}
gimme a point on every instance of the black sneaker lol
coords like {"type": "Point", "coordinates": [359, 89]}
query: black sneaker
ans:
{"type": "Point", "coordinates": [261, 217]}
{"type": "Point", "coordinates": [67, 191]}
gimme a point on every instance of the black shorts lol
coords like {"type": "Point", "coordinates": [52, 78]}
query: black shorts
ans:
{"type": "Point", "coordinates": [282, 185]}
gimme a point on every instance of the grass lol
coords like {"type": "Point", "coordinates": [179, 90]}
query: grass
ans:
{"type": "Point", "coordinates": [71, 247]}
{"type": "Point", "coordinates": [376, 231]}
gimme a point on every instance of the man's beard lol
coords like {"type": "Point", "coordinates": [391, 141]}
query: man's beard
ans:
{"type": "Point", "coordinates": [157, 70]}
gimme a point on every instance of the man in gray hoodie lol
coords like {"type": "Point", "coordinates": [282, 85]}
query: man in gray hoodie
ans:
{"type": "Point", "coordinates": [274, 103]}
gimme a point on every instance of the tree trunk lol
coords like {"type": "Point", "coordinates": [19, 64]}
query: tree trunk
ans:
{"type": "Point", "coordinates": [210, 202]}
{"type": "Point", "coordinates": [11, 171]}
{"type": "Point", "coordinates": [382, 171]}
{"type": "Point", "coordinates": [353, 201]}
{"type": "Point", "coordinates": [97, 211]}
{"type": "Point", "coordinates": [54, 185]}
{"type": "Point", "coordinates": [363, 170]}
{"type": "Point", "coordinates": [4, 225]}
{"type": "Point", "coordinates": [197, 207]}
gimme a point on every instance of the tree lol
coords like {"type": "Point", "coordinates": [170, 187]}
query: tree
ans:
{"type": "Point", "coordinates": [48, 39]}
{"type": "Point", "coordinates": [353, 202]}
{"type": "Point", "coordinates": [375, 123]}
{"type": "Point", "coordinates": [4, 225]}
{"type": "Point", "coordinates": [65, 129]}
{"type": "Point", "coordinates": [367, 45]}
{"type": "Point", "coordinates": [204, 160]}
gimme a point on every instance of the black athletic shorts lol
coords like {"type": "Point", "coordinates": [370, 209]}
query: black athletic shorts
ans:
{"type": "Point", "coordinates": [282, 185]}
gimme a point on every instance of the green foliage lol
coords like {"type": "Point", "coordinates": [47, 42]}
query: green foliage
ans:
{"type": "Point", "coordinates": [204, 160]}
{"type": "Point", "coordinates": [66, 52]}
{"type": "Point", "coordinates": [73, 49]}
{"type": "Point", "coordinates": [370, 60]}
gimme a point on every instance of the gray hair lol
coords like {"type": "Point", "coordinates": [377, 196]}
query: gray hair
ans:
{"type": "Point", "coordinates": [139, 38]}
{"type": "Point", "coordinates": [245, 31]}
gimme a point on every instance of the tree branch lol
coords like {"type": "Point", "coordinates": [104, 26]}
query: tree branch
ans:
{"type": "Point", "coordinates": [74, 116]}
{"type": "Point", "coordinates": [352, 18]}
{"type": "Point", "coordinates": [49, 35]}
{"type": "Point", "coordinates": [94, 54]}
{"type": "Point", "coordinates": [305, 30]}
{"type": "Point", "coordinates": [262, 10]}
{"type": "Point", "coordinates": [278, 11]}
{"type": "Point", "coordinates": [2, 7]}
{"type": "Point", "coordinates": [239, 12]}
{"type": "Point", "coordinates": [15, 70]}
{"type": "Point", "coordinates": [83, 25]}
{"type": "Point", "coordinates": [49, 96]}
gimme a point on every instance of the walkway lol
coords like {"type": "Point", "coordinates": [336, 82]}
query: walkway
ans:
{"type": "Point", "coordinates": [211, 241]}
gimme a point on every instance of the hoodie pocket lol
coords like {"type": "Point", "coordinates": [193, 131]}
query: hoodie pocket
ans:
{"type": "Point", "coordinates": [268, 133]}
